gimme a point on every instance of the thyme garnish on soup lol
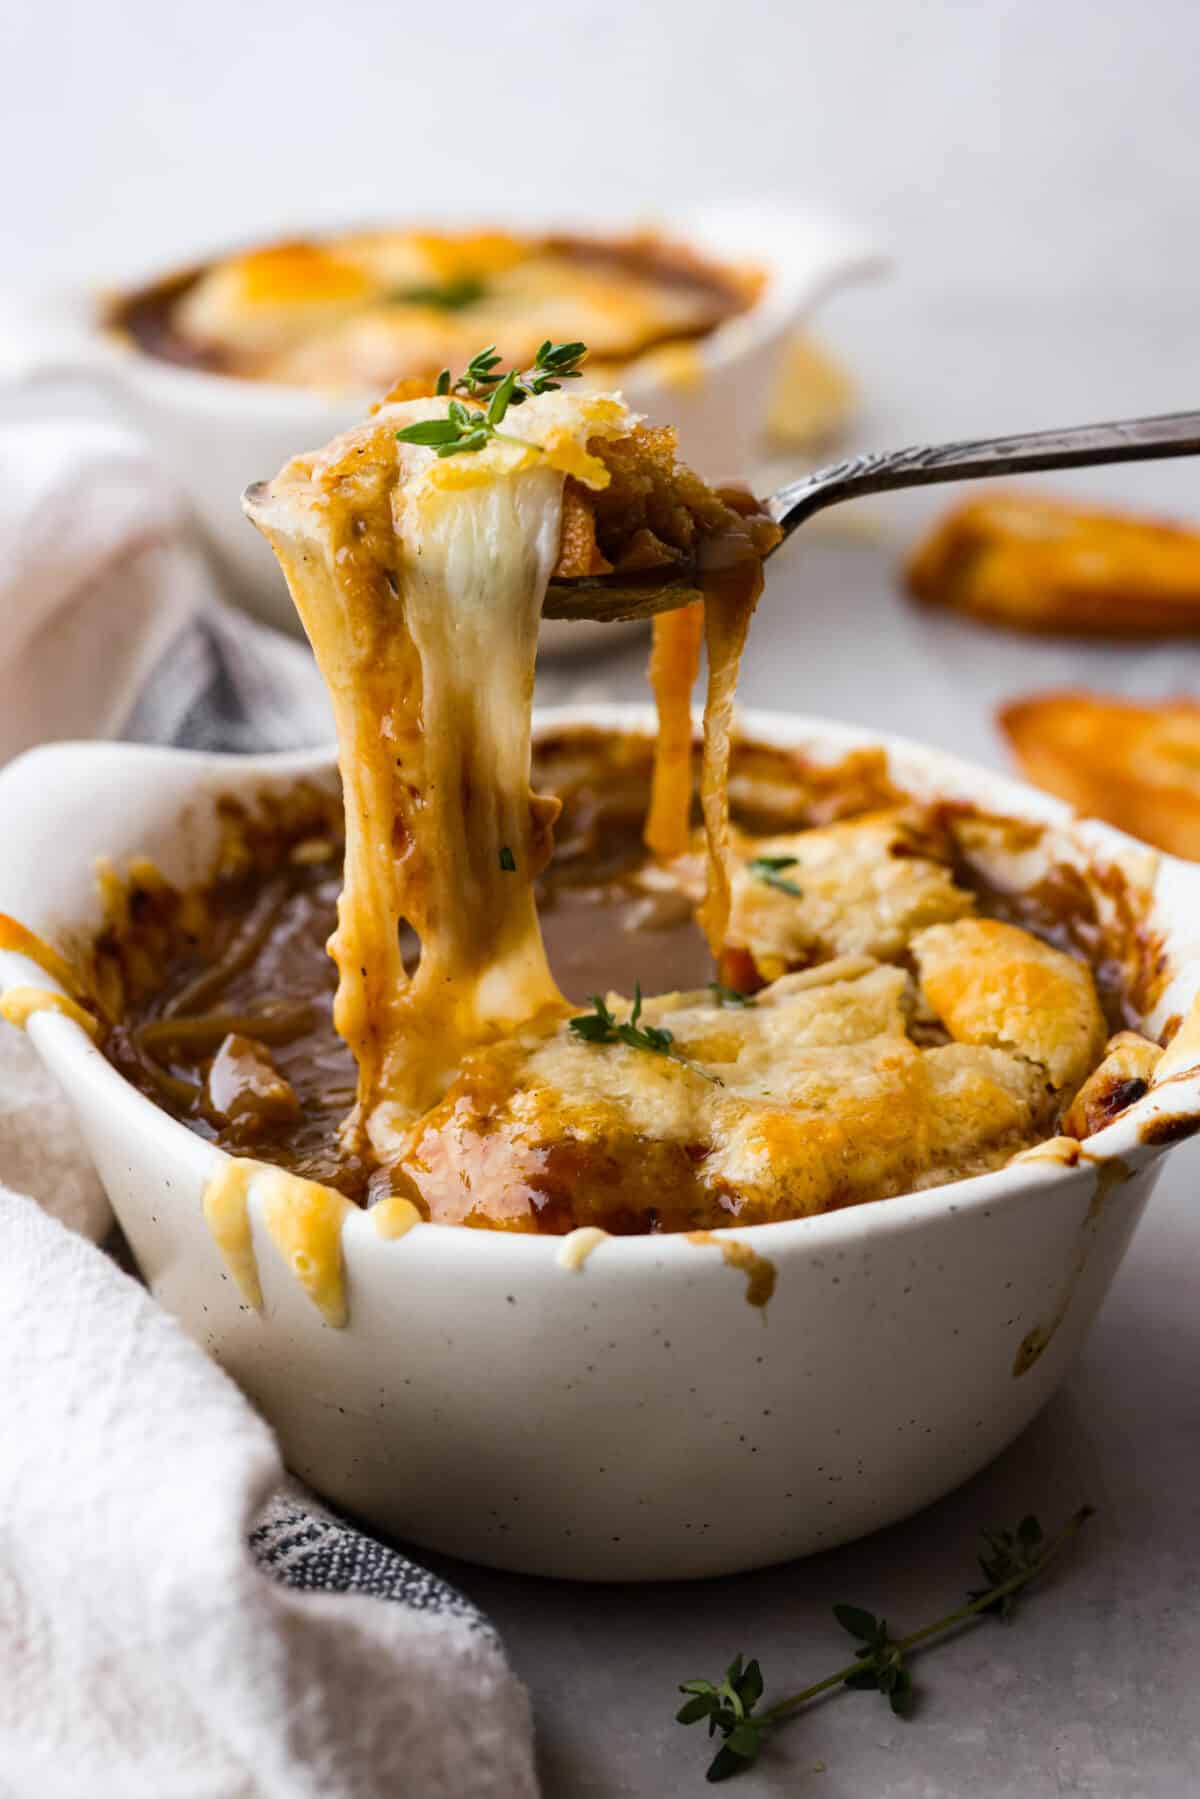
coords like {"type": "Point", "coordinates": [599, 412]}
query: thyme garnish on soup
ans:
{"type": "Point", "coordinates": [769, 869]}
{"type": "Point", "coordinates": [602, 1026]}
{"type": "Point", "coordinates": [469, 428]}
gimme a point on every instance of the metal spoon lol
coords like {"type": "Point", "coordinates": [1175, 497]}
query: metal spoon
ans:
{"type": "Point", "coordinates": [613, 597]}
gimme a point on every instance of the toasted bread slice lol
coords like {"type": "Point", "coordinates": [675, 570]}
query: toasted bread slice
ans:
{"type": "Point", "coordinates": [1038, 564]}
{"type": "Point", "coordinates": [1138, 766]}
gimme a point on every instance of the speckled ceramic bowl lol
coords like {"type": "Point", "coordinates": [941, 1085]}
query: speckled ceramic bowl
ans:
{"type": "Point", "coordinates": [634, 1418]}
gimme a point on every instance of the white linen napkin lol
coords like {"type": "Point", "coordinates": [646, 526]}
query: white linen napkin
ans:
{"type": "Point", "coordinates": [176, 1620]}
{"type": "Point", "coordinates": [146, 1653]}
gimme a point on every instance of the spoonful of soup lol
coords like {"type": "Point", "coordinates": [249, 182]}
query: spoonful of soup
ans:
{"type": "Point", "coordinates": [656, 574]}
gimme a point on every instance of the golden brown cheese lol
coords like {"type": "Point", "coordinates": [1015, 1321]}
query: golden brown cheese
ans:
{"type": "Point", "coordinates": [862, 888]}
{"type": "Point", "coordinates": [991, 983]}
{"type": "Point", "coordinates": [814, 1097]}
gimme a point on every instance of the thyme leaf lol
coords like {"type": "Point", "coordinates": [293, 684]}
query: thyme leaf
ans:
{"type": "Point", "coordinates": [769, 870]}
{"type": "Point", "coordinates": [466, 428]}
{"type": "Point", "coordinates": [600, 1025]}
{"type": "Point", "coordinates": [449, 296]}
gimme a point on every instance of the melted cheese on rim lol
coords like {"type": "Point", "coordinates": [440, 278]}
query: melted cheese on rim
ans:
{"type": "Point", "coordinates": [18, 938]}
{"type": "Point", "coordinates": [578, 1245]}
{"type": "Point", "coordinates": [303, 1219]}
{"type": "Point", "coordinates": [226, 1212]}
{"type": "Point", "coordinates": [20, 1004]}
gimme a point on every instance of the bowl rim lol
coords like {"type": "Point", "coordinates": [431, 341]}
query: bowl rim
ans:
{"type": "Point", "coordinates": [805, 251]}
{"type": "Point", "coordinates": [76, 1059]}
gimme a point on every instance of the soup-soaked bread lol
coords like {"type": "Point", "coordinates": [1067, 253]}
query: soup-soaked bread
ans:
{"type": "Point", "coordinates": [813, 1097]}
{"type": "Point", "coordinates": [655, 513]}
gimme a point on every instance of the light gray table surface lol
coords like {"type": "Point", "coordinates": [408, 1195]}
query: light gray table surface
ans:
{"type": "Point", "coordinates": [1092, 1688]}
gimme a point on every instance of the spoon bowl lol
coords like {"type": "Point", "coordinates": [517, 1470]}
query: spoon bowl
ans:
{"type": "Point", "coordinates": [614, 597]}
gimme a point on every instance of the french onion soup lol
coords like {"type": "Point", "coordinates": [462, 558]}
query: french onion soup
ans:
{"type": "Point", "coordinates": [347, 311]}
{"type": "Point", "coordinates": [601, 981]}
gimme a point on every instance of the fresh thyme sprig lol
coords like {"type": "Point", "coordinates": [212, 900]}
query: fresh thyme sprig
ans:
{"type": "Point", "coordinates": [769, 869]}
{"type": "Point", "coordinates": [553, 364]}
{"type": "Point", "coordinates": [468, 428]}
{"type": "Point", "coordinates": [1011, 1561]}
{"type": "Point", "coordinates": [601, 1026]}
{"type": "Point", "coordinates": [729, 996]}
{"type": "Point", "coordinates": [463, 428]}
{"type": "Point", "coordinates": [1008, 1552]}
{"type": "Point", "coordinates": [477, 378]}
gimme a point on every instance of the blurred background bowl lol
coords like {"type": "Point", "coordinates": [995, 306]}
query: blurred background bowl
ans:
{"type": "Point", "coordinates": [217, 433]}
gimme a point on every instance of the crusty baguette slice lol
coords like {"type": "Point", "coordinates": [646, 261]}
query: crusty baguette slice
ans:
{"type": "Point", "coordinates": [1138, 766]}
{"type": "Point", "coordinates": [1038, 564]}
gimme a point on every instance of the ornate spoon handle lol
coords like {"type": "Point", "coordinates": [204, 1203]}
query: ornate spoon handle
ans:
{"type": "Point", "coordinates": [1128, 440]}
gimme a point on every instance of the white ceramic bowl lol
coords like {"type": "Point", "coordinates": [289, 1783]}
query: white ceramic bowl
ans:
{"type": "Point", "coordinates": [217, 434]}
{"type": "Point", "coordinates": [636, 1419]}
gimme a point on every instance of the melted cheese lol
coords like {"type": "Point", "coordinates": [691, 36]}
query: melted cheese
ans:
{"type": "Point", "coordinates": [303, 1219]}
{"type": "Point", "coordinates": [992, 983]}
{"type": "Point", "coordinates": [730, 597]}
{"type": "Point", "coordinates": [810, 1099]}
{"type": "Point", "coordinates": [21, 941]}
{"type": "Point", "coordinates": [578, 1245]}
{"type": "Point", "coordinates": [760, 1271]}
{"type": "Point", "coordinates": [674, 664]}
{"type": "Point", "coordinates": [20, 1004]}
{"type": "Point", "coordinates": [728, 608]}
{"type": "Point", "coordinates": [865, 886]}
{"type": "Point", "coordinates": [227, 1214]}
{"type": "Point", "coordinates": [395, 1216]}
{"type": "Point", "coordinates": [420, 583]}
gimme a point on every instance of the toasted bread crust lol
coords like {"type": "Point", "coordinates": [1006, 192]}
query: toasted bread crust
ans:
{"type": "Point", "coordinates": [1037, 564]}
{"type": "Point", "coordinates": [1137, 766]}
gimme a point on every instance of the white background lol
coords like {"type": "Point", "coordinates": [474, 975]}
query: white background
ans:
{"type": "Point", "coordinates": [1032, 166]}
